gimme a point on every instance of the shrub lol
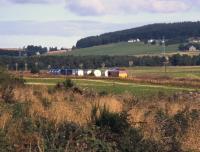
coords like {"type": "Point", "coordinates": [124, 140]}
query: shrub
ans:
{"type": "Point", "coordinates": [133, 141]}
{"type": "Point", "coordinates": [115, 122]}
{"type": "Point", "coordinates": [35, 70]}
{"type": "Point", "coordinates": [68, 83]}
{"type": "Point", "coordinates": [103, 93]}
{"type": "Point", "coordinates": [4, 145]}
{"type": "Point", "coordinates": [169, 127]}
{"type": "Point", "coordinates": [20, 110]}
{"type": "Point", "coordinates": [56, 137]}
{"type": "Point", "coordinates": [7, 85]}
{"type": "Point", "coordinates": [46, 103]}
{"type": "Point", "coordinates": [194, 114]}
{"type": "Point", "coordinates": [7, 94]}
{"type": "Point", "coordinates": [182, 121]}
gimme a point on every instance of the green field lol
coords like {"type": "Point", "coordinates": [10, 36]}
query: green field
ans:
{"type": "Point", "coordinates": [192, 72]}
{"type": "Point", "coordinates": [113, 87]}
{"type": "Point", "coordinates": [139, 90]}
{"type": "Point", "coordinates": [125, 48]}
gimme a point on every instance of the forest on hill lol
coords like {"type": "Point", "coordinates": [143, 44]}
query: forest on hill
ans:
{"type": "Point", "coordinates": [173, 32]}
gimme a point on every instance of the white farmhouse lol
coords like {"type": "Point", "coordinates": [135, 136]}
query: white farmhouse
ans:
{"type": "Point", "coordinates": [151, 41]}
{"type": "Point", "coordinates": [192, 49]}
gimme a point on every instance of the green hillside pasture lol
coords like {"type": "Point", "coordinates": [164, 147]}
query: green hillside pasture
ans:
{"type": "Point", "coordinates": [113, 87]}
{"type": "Point", "coordinates": [191, 72]}
{"type": "Point", "coordinates": [124, 48]}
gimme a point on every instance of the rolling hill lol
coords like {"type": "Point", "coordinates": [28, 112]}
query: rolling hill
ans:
{"type": "Point", "coordinates": [173, 32]}
{"type": "Point", "coordinates": [124, 48]}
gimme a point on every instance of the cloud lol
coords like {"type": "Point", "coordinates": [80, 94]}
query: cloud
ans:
{"type": "Point", "coordinates": [52, 33]}
{"type": "Point", "coordinates": [31, 1]}
{"type": "Point", "coordinates": [102, 7]}
{"type": "Point", "coordinates": [58, 28]}
{"type": "Point", "coordinates": [107, 7]}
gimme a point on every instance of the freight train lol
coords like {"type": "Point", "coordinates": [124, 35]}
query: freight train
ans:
{"type": "Point", "coordinates": [115, 72]}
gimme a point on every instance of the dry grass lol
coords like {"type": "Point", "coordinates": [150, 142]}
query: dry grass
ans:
{"type": "Point", "coordinates": [143, 116]}
{"type": "Point", "coordinates": [61, 106]}
{"type": "Point", "coordinates": [64, 106]}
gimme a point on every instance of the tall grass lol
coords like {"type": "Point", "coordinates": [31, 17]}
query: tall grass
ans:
{"type": "Point", "coordinates": [64, 120]}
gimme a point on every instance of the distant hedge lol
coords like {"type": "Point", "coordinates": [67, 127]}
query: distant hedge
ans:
{"type": "Point", "coordinates": [45, 62]}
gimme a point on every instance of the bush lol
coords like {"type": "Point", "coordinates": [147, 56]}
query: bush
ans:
{"type": "Point", "coordinates": [20, 110]}
{"type": "Point", "coordinates": [35, 70]}
{"type": "Point", "coordinates": [103, 93]}
{"type": "Point", "coordinates": [68, 83]}
{"type": "Point", "coordinates": [7, 94]}
{"type": "Point", "coordinates": [4, 145]}
{"type": "Point", "coordinates": [117, 123]}
{"type": "Point", "coordinates": [46, 103]}
{"type": "Point", "coordinates": [170, 130]}
{"type": "Point", "coordinates": [7, 85]}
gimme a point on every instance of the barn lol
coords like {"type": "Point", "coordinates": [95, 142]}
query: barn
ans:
{"type": "Point", "coordinates": [121, 73]}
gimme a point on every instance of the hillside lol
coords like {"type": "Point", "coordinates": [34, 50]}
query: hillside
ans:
{"type": "Point", "coordinates": [125, 48]}
{"type": "Point", "coordinates": [173, 31]}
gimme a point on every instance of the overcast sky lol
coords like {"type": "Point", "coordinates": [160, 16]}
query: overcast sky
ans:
{"type": "Point", "coordinates": [62, 22]}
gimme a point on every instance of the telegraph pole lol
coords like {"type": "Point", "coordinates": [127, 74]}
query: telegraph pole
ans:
{"type": "Point", "coordinates": [164, 50]}
{"type": "Point", "coordinates": [36, 64]}
{"type": "Point", "coordinates": [7, 67]}
{"type": "Point", "coordinates": [26, 66]}
{"type": "Point", "coordinates": [16, 67]}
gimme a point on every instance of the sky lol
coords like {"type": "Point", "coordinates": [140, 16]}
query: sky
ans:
{"type": "Point", "coordinates": [62, 22]}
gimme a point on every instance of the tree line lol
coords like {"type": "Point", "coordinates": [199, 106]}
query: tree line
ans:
{"type": "Point", "coordinates": [173, 32]}
{"type": "Point", "coordinates": [30, 50]}
{"type": "Point", "coordinates": [87, 62]}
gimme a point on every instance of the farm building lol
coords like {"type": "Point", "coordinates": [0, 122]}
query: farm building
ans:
{"type": "Point", "coordinates": [121, 73]}
{"type": "Point", "coordinates": [133, 40]}
{"type": "Point", "coordinates": [192, 48]}
{"type": "Point", "coordinates": [55, 71]}
{"type": "Point", "coordinates": [67, 72]}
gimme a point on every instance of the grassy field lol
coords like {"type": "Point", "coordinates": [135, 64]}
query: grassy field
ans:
{"type": "Point", "coordinates": [192, 72]}
{"type": "Point", "coordinates": [125, 48]}
{"type": "Point", "coordinates": [141, 90]}
{"type": "Point", "coordinates": [113, 87]}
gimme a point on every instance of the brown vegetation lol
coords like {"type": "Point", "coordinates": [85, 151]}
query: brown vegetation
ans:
{"type": "Point", "coordinates": [170, 121]}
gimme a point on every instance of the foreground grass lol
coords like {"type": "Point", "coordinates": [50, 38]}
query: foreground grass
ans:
{"type": "Point", "coordinates": [113, 87]}
{"type": "Point", "coordinates": [67, 118]}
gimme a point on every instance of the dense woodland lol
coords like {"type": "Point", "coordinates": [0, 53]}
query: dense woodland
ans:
{"type": "Point", "coordinates": [43, 62]}
{"type": "Point", "coordinates": [173, 32]}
